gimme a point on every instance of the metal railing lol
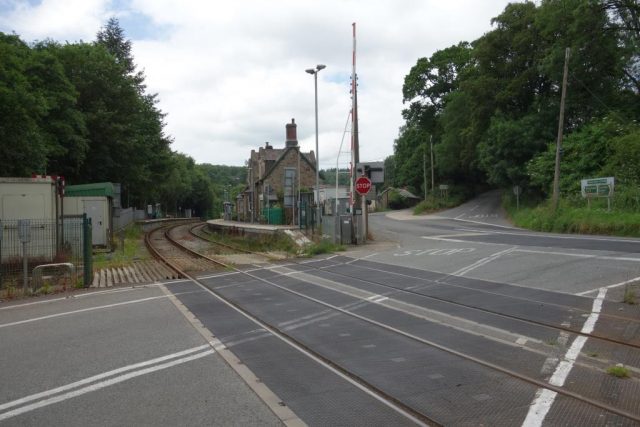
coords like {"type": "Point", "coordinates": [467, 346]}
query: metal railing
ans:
{"type": "Point", "coordinates": [27, 244]}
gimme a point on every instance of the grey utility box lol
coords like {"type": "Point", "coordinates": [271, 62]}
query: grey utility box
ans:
{"type": "Point", "coordinates": [345, 229]}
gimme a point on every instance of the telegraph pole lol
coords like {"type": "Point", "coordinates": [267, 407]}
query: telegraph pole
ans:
{"type": "Point", "coordinates": [556, 178]}
{"type": "Point", "coordinates": [433, 180]}
{"type": "Point", "coordinates": [424, 170]}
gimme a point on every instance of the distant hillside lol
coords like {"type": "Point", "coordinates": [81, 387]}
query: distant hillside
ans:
{"type": "Point", "coordinates": [225, 175]}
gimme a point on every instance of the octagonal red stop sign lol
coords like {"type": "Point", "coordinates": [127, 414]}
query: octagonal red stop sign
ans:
{"type": "Point", "coordinates": [363, 185]}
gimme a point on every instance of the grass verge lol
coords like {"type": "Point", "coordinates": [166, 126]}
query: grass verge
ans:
{"type": "Point", "coordinates": [572, 219]}
{"type": "Point", "coordinates": [437, 204]}
{"type": "Point", "coordinates": [118, 257]}
{"type": "Point", "coordinates": [266, 243]}
{"type": "Point", "coordinates": [324, 246]}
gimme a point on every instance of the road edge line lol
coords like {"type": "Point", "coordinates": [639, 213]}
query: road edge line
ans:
{"type": "Point", "coordinates": [264, 393]}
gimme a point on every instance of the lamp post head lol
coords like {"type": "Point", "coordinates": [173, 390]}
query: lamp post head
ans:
{"type": "Point", "coordinates": [311, 71]}
{"type": "Point", "coordinates": [320, 67]}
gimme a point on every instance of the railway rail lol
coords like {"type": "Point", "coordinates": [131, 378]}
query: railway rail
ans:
{"type": "Point", "coordinates": [559, 328]}
{"type": "Point", "coordinates": [410, 411]}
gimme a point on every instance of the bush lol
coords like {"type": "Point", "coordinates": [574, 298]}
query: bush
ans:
{"type": "Point", "coordinates": [397, 200]}
{"type": "Point", "coordinates": [325, 246]}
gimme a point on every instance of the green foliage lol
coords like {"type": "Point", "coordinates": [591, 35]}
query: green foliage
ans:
{"type": "Point", "coordinates": [629, 295]}
{"type": "Point", "coordinates": [618, 371]}
{"type": "Point", "coordinates": [573, 216]}
{"type": "Point", "coordinates": [265, 243]}
{"type": "Point", "coordinates": [81, 110]}
{"type": "Point", "coordinates": [328, 176]}
{"type": "Point", "coordinates": [491, 106]}
{"type": "Point", "coordinates": [439, 203]}
{"type": "Point", "coordinates": [324, 246]}
{"type": "Point", "coordinates": [602, 148]}
{"type": "Point", "coordinates": [395, 200]}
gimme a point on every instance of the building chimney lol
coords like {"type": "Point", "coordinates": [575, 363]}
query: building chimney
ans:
{"type": "Point", "coordinates": [292, 134]}
{"type": "Point", "coordinates": [267, 146]}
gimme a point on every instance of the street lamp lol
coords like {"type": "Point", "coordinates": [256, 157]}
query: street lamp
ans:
{"type": "Point", "coordinates": [315, 77]}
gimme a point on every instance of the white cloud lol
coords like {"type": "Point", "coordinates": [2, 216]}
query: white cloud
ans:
{"type": "Point", "coordinates": [231, 75]}
{"type": "Point", "coordinates": [57, 19]}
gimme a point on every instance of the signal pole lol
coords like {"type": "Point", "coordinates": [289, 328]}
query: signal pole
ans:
{"type": "Point", "coordinates": [556, 178]}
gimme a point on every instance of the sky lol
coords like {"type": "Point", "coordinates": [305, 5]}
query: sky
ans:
{"type": "Point", "coordinates": [230, 74]}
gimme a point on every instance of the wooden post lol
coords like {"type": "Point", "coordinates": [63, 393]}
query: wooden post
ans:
{"type": "Point", "coordinates": [433, 181]}
{"type": "Point", "coordinates": [556, 178]}
{"type": "Point", "coordinates": [424, 169]}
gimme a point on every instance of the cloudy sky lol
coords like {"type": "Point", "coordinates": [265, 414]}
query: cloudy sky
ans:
{"type": "Point", "coordinates": [230, 74]}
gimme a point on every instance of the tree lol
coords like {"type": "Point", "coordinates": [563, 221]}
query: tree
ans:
{"type": "Point", "coordinates": [23, 147]}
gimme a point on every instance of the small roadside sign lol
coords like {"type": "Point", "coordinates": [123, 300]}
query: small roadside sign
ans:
{"type": "Point", "coordinates": [517, 191]}
{"type": "Point", "coordinates": [444, 187]}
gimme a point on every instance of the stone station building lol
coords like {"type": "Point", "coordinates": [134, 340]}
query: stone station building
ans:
{"type": "Point", "coordinates": [273, 177]}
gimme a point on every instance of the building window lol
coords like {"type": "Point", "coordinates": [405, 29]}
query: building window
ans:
{"type": "Point", "coordinates": [289, 180]}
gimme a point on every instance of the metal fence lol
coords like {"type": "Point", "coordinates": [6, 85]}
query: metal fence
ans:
{"type": "Point", "coordinates": [140, 214]}
{"type": "Point", "coordinates": [126, 217]}
{"type": "Point", "coordinates": [273, 216]}
{"type": "Point", "coordinates": [27, 244]}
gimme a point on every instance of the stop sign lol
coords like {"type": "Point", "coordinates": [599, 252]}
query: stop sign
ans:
{"type": "Point", "coordinates": [363, 185]}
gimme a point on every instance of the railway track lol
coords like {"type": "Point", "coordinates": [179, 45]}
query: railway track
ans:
{"type": "Point", "coordinates": [250, 258]}
{"type": "Point", "coordinates": [174, 262]}
{"type": "Point", "coordinates": [558, 328]}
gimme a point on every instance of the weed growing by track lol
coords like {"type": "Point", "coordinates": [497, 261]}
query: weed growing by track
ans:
{"type": "Point", "coordinates": [266, 243]}
{"type": "Point", "coordinates": [325, 246]}
{"type": "Point", "coordinates": [629, 295]}
{"type": "Point", "coordinates": [618, 371]}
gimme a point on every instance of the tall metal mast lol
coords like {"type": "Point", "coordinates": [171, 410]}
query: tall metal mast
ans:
{"type": "Point", "coordinates": [353, 130]}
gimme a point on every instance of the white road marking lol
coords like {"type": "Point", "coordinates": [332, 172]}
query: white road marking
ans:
{"type": "Point", "coordinates": [557, 237]}
{"type": "Point", "coordinates": [485, 223]}
{"type": "Point", "coordinates": [66, 313]}
{"type": "Point", "coordinates": [219, 275]}
{"type": "Point", "coordinates": [100, 385]}
{"type": "Point", "coordinates": [445, 239]}
{"type": "Point", "coordinates": [476, 206]}
{"type": "Point", "coordinates": [324, 364]}
{"type": "Point", "coordinates": [545, 397]}
{"type": "Point", "coordinates": [176, 281]}
{"type": "Point", "coordinates": [615, 258]}
{"type": "Point", "coordinates": [482, 262]}
{"type": "Point", "coordinates": [460, 216]}
{"type": "Point", "coordinates": [364, 257]}
{"type": "Point", "coordinates": [611, 286]}
{"type": "Point", "coordinates": [99, 377]}
{"type": "Point", "coordinates": [90, 294]}
{"type": "Point", "coordinates": [521, 341]}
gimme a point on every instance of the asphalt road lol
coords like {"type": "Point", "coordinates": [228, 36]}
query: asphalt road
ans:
{"type": "Point", "coordinates": [123, 357]}
{"type": "Point", "coordinates": [457, 318]}
{"type": "Point", "coordinates": [475, 240]}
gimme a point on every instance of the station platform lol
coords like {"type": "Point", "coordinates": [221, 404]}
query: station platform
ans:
{"type": "Point", "coordinates": [247, 227]}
